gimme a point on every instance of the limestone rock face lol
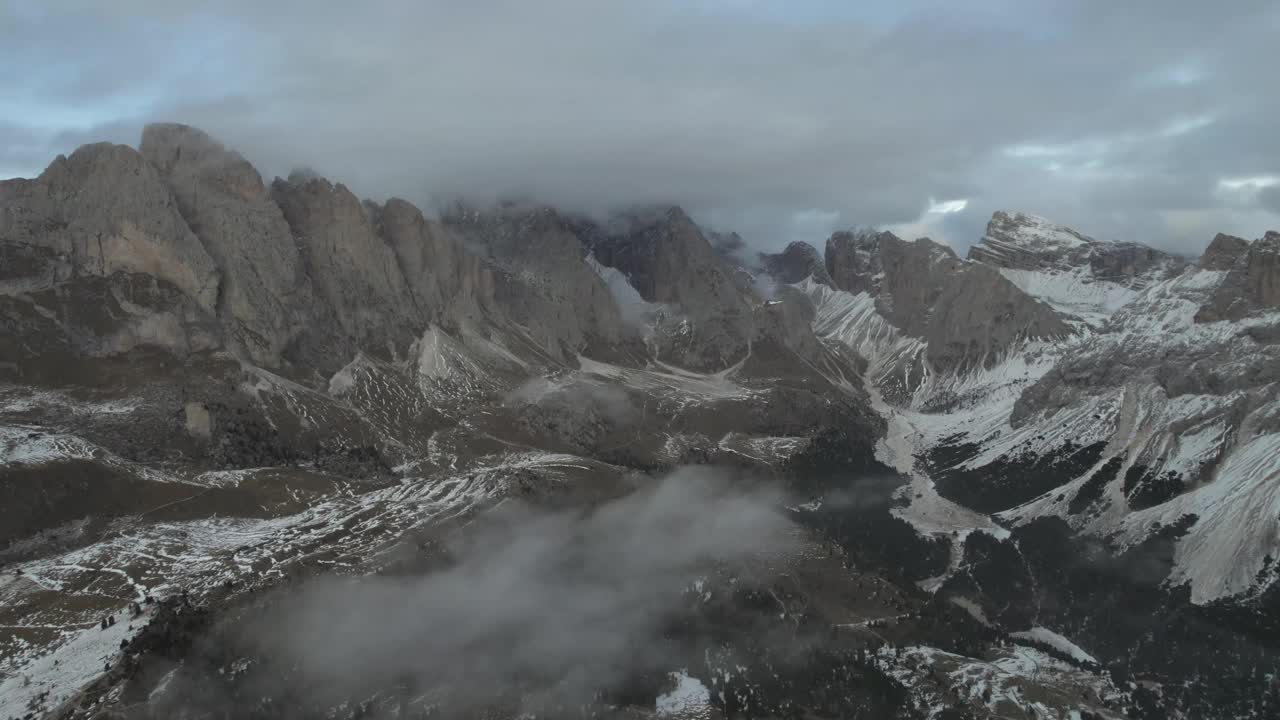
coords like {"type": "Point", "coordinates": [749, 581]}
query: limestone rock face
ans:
{"type": "Point", "coordinates": [979, 316]}
{"type": "Point", "coordinates": [799, 260]}
{"type": "Point", "coordinates": [1019, 241]}
{"type": "Point", "coordinates": [445, 278]}
{"type": "Point", "coordinates": [1026, 242]}
{"type": "Point", "coordinates": [852, 260]}
{"type": "Point", "coordinates": [1132, 264]}
{"type": "Point", "coordinates": [1223, 252]}
{"type": "Point", "coordinates": [1264, 270]}
{"type": "Point", "coordinates": [266, 292]}
{"type": "Point", "coordinates": [910, 278]}
{"type": "Point", "coordinates": [1084, 279]}
{"type": "Point", "coordinates": [356, 273]}
{"type": "Point", "coordinates": [967, 312]}
{"type": "Point", "coordinates": [787, 321]}
{"type": "Point", "coordinates": [668, 260]}
{"type": "Point", "coordinates": [100, 211]}
{"type": "Point", "coordinates": [537, 277]}
{"type": "Point", "coordinates": [1252, 282]}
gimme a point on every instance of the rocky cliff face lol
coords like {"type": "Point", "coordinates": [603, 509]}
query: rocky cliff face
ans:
{"type": "Point", "coordinates": [1084, 279]}
{"type": "Point", "coordinates": [542, 282]}
{"type": "Point", "coordinates": [102, 210]}
{"type": "Point", "coordinates": [266, 293]}
{"type": "Point", "coordinates": [966, 313]}
{"type": "Point", "coordinates": [447, 281]}
{"type": "Point", "coordinates": [357, 277]}
{"type": "Point", "coordinates": [301, 274]}
{"type": "Point", "coordinates": [707, 325]}
{"type": "Point", "coordinates": [1252, 282]}
{"type": "Point", "coordinates": [1028, 242]}
{"type": "Point", "coordinates": [798, 261]}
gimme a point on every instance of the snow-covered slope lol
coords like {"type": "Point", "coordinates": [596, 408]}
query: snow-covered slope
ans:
{"type": "Point", "coordinates": [1075, 291]}
{"type": "Point", "coordinates": [1192, 433]}
{"type": "Point", "coordinates": [1151, 417]}
{"type": "Point", "coordinates": [1086, 279]}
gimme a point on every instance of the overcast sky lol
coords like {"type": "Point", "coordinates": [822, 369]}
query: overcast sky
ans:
{"type": "Point", "coordinates": [1151, 120]}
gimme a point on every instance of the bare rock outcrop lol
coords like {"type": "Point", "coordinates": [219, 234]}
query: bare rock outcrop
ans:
{"type": "Point", "coordinates": [784, 344]}
{"type": "Point", "coordinates": [266, 292]}
{"type": "Point", "coordinates": [446, 279]}
{"type": "Point", "coordinates": [667, 258]}
{"type": "Point", "coordinates": [1223, 252]}
{"type": "Point", "coordinates": [1264, 270]}
{"type": "Point", "coordinates": [1086, 280]}
{"type": "Point", "coordinates": [967, 311]}
{"type": "Point", "coordinates": [1026, 242]}
{"type": "Point", "coordinates": [798, 261]}
{"type": "Point", "coordinates": [852, 260]}
{"type": "Point", "coordinates": [101, 211]}
{"type": "Point", "coordinates": [536, 276]}
{"type": "Point", "coordinates": [1252, 282]}
{"type": "Point", "coordinates": [1020, 241]}
{"type": "Point", "coordinates": [355, 271]}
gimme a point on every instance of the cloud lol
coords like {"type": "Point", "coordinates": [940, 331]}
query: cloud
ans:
{"type": "Point", "coordinates": [1249, 184]}
{"type": "Point", "coordinates": [1269, 198]}
{"type": "Point", "coordinates": [578, 598]}
{"type": "Point", "coordinates": [576, 401]}
{"type": "Point", "coordinates": [756, 116]}
{"type": "Point", "coordinates": [946, 222]}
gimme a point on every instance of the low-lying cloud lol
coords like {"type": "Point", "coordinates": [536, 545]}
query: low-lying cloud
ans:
{"type": "Point", "coordinates": [577, 598]}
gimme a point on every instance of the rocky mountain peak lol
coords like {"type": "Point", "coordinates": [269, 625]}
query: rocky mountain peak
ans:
{"type": "Point", "coordinates": [727, 243]}
{"type": "Point", "coordinates": [521, 237]}
{"type": "Point", "coordinates": [173, 147]}
{"type": "Point", "coordinates": [1025, 241]}
{"type": "Point", "coordinates": [1083, 278]}
{"type": "Point", "coordinates": [1021, 241]}
{"type": "Point", "coordinates": [1223, 252]}
{"type": "Point", "coordinates": [540, 276]}
{"type": "Point", "coordinates": [354, 270]}
{"type": "Point", "coordinates": [967, 311]}
{"type": "Point", "coordinates": [1252, 281]}
{"type": "Point", "coordinates": [868, 261]}
{"type": "Point", "coordinates": [668, 259]}
{"type": "Point", "coordinates": [853, 258]}
{"type": "Point", "coordinates": [1264, 270]}
{"type": "Point", "coordinates": [223, 198]}
{"type": "Point", "coordinates": [798, 261]}
{"type": "Point", "coordinates": [104, 209]}
{"type": "Point", "coordinates": [447, 280]}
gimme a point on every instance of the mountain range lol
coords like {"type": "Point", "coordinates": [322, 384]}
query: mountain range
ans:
{"type": "Point", "coordinates": [1042, 480]}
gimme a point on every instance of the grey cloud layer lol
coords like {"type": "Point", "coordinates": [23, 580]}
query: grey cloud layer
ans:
{"type": "Point", "coordinates": [530, 594]}
{"type": "Point", "coordinates": [761, 116]}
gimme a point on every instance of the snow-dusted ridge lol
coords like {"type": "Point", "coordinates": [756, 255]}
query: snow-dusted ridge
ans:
{"type": "Point", "coordinates": [1087, 280]}
{"type": "Point", "coordinates": [1164, 395]}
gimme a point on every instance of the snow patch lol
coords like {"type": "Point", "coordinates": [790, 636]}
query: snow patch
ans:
{"type": "Point", "coordinates": [33, 446]}
{"type": "Point", "coordinates": [1057, 642]}
{"type": "Point", "coordinates": [1076, 292]}
{"type": "Point", "coordinates": [50, 679]}
{"type": "Point", "coordinates": [689, 699]}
